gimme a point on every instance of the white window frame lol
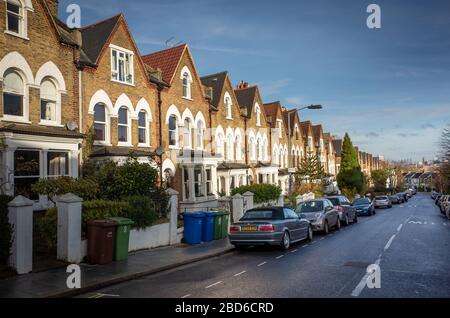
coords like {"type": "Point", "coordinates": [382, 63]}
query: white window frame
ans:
{"type": "Point", "coordinates": [258, 115]}
{"type": "Point", "coordinates": [220, 144]}
{"type": "Point", "coordinates": [24, 7]}
{"type": "Point", "coordinates": [107, 140]}
{"type": "Point", "coordinates": [238, 151]}
{"type": "Point", "coordinates": [114, 68]}
{"type": "Point", "coordinates": [252, 143]}
{"type": "Point", "coordinates": [174, 131]}
{"type": "Point", "coordinates": [230, 148]}
{"type": "Point", "coordinates": [200, 135]}
{"type": "Point", "coordinates": [57, 121]}
{"type": "Point", "coordinates": [187, 132]}
{"type": "Point", "coordinates": [228, 106]}
{"type": "Point", "coordinates": [25, 107]}
{"type": "Point", "coordinates": [146, 127]}
{"type": "Point", "coordinates": [127, 143]}
{"type": "Point", "coordinates": [186, 71]}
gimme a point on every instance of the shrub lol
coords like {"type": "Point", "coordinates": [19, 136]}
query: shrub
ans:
{"type": "Point", "coordinates": [47, 228]}
{"type": "Point", "coordinates": [100, 210]}
{"type": "Point", "coordinates": [5, 230]}
{"type": "Point", "coordinates": [141, 210]}
{"type": "Point", "coordinates": [264, 193]}
{"type": "Point", "coordinates": [122, 181]}
{"type": "Point", "coordinates": [87, 189]}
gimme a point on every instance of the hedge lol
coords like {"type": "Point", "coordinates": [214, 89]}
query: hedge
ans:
{"type": "Point", "coordinates": [264, 193]}
{"type": "Point", "coordinates": [5, 230]}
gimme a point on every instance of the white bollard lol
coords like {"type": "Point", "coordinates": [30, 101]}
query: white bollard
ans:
{"type": "Point", "coordinates": [21, 219]}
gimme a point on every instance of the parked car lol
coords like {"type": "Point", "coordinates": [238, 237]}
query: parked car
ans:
{"type": "Point", "coordinates": [438, 198]}
{"type": "Point", "coordinates": [444, 203]}
{"type": "Point", "coordinates": [346, 212]}
{"type": "Point", "coordinates": [447, 211]}
{"type": "Point", "coordinates": [321, 213]}
{"type": "Point", "coordinates": [404, 196]}
{"type": "Point", "coordinates": [394, 199]}
{"type": "Point", "coordinates": [382, 201]}
{"type": "Point", "coordinates": [364, 206]}
{"type": "Point", "coordinates": [276, 226]}
{"type": "Point", "coordinates": [434, 195]}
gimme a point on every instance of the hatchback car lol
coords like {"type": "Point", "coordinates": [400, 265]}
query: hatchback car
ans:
{"type": "Point", "coordinates": [347, 213]}
{"type": "Point", "coordinates": [394, 199]}
{"type": "Point", "coordinates": [276, 226]}
{"type": "Point", "coordinates": [404, 196]}
{"type": "Point", "coordinates": [444, 203]}
{"type": "Point", "coordinates": [382, 201]}
{"type": "Point", "coordinates": [321, 213]}
{"type": "Point", "coordinates": [364, 206]}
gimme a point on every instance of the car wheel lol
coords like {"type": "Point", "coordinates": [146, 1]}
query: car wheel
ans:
{"type": "Point", "coordinates": [326, 229]}
{"type": "Point", "coordinates": [338, 225]}
{"type": "Point", "coordinates": [310, 234]}
{"type": "Point", "coordinates": [286, 241]}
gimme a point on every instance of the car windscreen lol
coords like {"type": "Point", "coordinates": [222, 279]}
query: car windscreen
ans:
{"type": "Point", "coordinates": [335, 201]}
{"type": "Point", "coordinates": [361, 201]}
{"type": "Point", "coordinates": [381, 198]}
{"type": "Point", "coordinates": [311, 206]}
{"type": "Point", "coordinates": [262, 215]}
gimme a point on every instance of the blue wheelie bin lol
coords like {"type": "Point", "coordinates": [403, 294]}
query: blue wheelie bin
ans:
{"type": "Point", "coordinates": [208, 227]}
{"type": "Point", "coordinates": [193, 223]}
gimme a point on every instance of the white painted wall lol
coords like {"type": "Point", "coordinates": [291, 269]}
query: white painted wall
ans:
{"type": "Point", "coordinates": [151, 237]}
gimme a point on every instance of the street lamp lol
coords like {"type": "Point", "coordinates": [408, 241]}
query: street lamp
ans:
{"type": "Point", "coordinates": [290, 169]}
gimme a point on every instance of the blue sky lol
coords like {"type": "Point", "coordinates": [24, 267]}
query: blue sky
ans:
{"type": "Point", "coordinates": [388, 88]}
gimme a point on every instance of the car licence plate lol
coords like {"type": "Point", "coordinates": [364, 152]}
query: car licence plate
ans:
{"type": "Point", "coordinates": [249, 228]}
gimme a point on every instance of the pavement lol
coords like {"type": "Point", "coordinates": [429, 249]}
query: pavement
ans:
{"type": "Point", "coordinates": [52, 283]}
{"type": "Point", "coordinates": [409, 242]}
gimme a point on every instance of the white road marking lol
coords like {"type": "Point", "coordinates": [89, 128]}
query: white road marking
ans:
{"type": "Point", "coordinates": [322, 238]}
{"type": "Point", "coordinates": [281, 256]}
{"type": "Point", "coordinates": [263, 263]}
{"type": "Point", "coordinates": [359, 288]}
{"type": "Point", "coordinates": [212, 285]}
{"type": "Point", "coordinates": [239, 274]}
{"type": "Point", "coordinates": [399, 227]}
{"type": "Point", "coordinates": [306, 245]}
{"type": "Point", "coordinates": [296, 250]}
{"type": "Point", "coordinates": [389, 243]}
{"type": "Point", "coordinates": [100, 295]}
{"type": "Point", "coordinates": [186, 296]}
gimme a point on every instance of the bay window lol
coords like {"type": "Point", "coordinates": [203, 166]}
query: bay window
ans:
{"type": "Point", "coordinates": [209, 188]}
{"type": "Point", "coordinates": [48, 101]}
{"type": "Point", "coordinates": [26, 172]}
{"type": "Point", "coordinates": [57, 164]}
{"type": "Point", "coordinates": [198, 182]}
{"type": "Point", "coordinates": [13, 94]}
{"type": "Point", "coordinates": [122, 67]}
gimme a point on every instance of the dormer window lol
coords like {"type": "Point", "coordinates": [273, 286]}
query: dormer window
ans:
{"type": "Point", "coordinates": [122, 67]}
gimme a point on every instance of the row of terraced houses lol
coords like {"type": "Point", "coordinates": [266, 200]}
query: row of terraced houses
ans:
{"type": "Point", "coordinates": [207, 135]}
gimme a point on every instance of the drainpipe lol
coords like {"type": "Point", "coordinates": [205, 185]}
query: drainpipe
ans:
{"type": "Point", "coordinates": [160, 88]}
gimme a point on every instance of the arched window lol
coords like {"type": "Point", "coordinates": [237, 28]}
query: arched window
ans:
{"type": "Point", "coordinates": [200, 135]}
{"type": "Point", "coordinates": [258, 115]}
{"type": "Point", "coordinates": [124, 125]}
{"type": "Point", "coordinates": [187, 133]}
{"type": "Point", "coordinates": [228, 107]}
{"type": "Point", "coordinates": [265, 151]}
{"type": "Point", "coordinates": [259, 146]}
{"type": "Point", "coordinates": [143, 130]}
{"type": "Point", "coordinates": [252, 149]}
{"type": "Point", "coordinates": [100, 124]}
{"type": "Point", "coordinates": [296, 133]}
{"type": "Point", "coordinates": [220, 144]}
{"type": "Point", "coordinates": [15, 17]}
{"type": "Point", "coordinates": [238, 148]}
{"type": "Point", "coordinates": [13, 94]}
{"type": "Point", "coordinates": [230, 148]}
{"type": "Point", "coordinates": [186, 82]}
{"type": "Point", "coordinates": [49, 97]}
{"type": "Point", "coordinates": [173, 139]}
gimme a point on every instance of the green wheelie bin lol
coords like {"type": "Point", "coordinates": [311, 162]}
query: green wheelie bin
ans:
{"type": "Point", "coordinates": [218, 225]}
{"type": "Point", "coordinates": [225, 220]}
{"type": "Point", "coordinates": [122, 237]}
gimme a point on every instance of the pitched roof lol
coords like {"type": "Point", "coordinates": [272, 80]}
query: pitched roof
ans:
{"type": "Point", "coordinates": [95, 37]}
{"type": "Point", "coordinates": [166, 60]}
{"type": "Point", "coordinates": [338, 146]}
{"type": "Point", "coordinates": [246, 97]}
{"type": "Point", "coordinates": [271, 110]}
{"type": "Point", "coordinates": [217, 83]}
{"type": "Point", "coordinates": [305, 127]}
{"type": "Point", "coordinates": [317, 130]}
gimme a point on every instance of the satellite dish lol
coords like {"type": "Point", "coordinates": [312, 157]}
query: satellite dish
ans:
{"type": "Point", "coordinates": [72, 126]}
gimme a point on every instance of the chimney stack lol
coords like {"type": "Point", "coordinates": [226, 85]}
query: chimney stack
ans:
{"type": "Point", "coordinates": [242, 85]}
{"type": "Point", "coordinates": [53, 6]}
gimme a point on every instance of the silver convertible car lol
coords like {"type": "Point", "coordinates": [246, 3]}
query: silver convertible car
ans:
{"type": "Point", "coordinates": [276, 226]}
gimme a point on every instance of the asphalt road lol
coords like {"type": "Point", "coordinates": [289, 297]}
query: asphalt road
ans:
{"type": "Point", "coordinates": [410, 242]}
